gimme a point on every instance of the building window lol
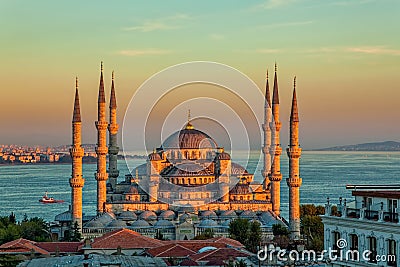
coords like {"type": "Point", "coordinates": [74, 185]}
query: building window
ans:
{"type": "Point", "coordinates": [354, 247]}
{"type": "Point", "coordinates": [372, 247]}
{"type": "Point", "coordinates": [392, 255]}
{"type": "Point", "coordinates": [392, 211]}
{"type": "Point", "coordinates": [336, 237]}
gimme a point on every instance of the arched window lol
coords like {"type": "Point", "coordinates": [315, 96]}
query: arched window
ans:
{"type": "Point", "coordinates": [354, 246]}
{"type": "Point", "coordinates": [372, 246]}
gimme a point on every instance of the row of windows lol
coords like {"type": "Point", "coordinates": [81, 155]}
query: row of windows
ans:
{"type": "Point", "coordinates": [192, 181]}
{"type": "Point", "coordinates": [371, 246]}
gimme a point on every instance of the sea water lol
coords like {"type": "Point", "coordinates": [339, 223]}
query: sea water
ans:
{"type": "Point", "coordinates": [324, 174]}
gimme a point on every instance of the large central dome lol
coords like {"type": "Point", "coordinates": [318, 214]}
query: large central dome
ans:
{"type": "Point", "coordinates": [189, 138]}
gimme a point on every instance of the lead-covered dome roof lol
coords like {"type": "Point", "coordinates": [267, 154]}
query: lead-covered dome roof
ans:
{"type": "Point", "coordinates": [189, 138]}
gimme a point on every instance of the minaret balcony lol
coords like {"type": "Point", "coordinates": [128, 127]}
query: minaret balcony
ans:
{"type": "Point", "coordinates": [101, 150]}
{"type": "Point", "coordinates": [266, 149]}
{"type": "Point", "coordinates": [294, 181]}
{"type": "Point", "coordinates": [76, 152]}
{"type": "Point", "coordinates": [294, 152]}
{"type": "Point", "coordinates": [113, 150]}
{"type": "Point", "coordinates": [76, 182]}
{"type": "Point", "coordinates": [113, 128]}
{"type": "Point", "coordinates": [101, 176]}
{"type": "Point", "coordinates": [266, 127]}
{"type": "Point", "coordinates": [276, 150]}
{"type": "Point", "coordinates": [275, 177]}
{"type": "Point", "coordinates": [113, 173]}
{"type": "Point", "coordinates": [101, 125]}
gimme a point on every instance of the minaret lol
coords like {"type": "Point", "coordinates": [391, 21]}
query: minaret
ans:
{"type": "Point", "coordinates": [294, 180]}
{"type": "Point", "coordinates": [267, 136]}
{"type": "Point", "coordinates": [101, 148]}
{"type": "Point", "coordinates": [76, 151]}
{"type": "Point", "coordinates": [276, 149]}
{"type": "Point", "coordinates": [113, 148]}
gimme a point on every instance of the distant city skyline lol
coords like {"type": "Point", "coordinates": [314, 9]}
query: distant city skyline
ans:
{"type": "Point", "coordinates": [345, 54]}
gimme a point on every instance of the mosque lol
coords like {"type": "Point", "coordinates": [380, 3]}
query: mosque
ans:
{"type": "Point", "coordinates": [187, 185]}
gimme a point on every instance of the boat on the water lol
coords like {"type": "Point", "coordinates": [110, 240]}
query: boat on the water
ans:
{"type": "Point", "coordinates": [46, 199]}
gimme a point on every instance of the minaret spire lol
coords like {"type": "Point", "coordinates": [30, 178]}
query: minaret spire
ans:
{"type": "Point", "coordinates": [77, 109]}
{"type": "Point", "coordinates": [113, 148]}
{"type": "Point", "coordinates": [101, 149]}
{"type": "Point", "coordinates": [276, 150]}
{"type": "Point", "coordinates": [76, 151]}
{"type": "Point", "coordinates": [267, 136]}
{"type": "Point", "coordinates": [189, 126]}
{"type": "Point", "coordinates": [294, 181]}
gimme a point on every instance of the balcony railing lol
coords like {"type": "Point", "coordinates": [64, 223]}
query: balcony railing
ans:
{"type": "Point", "coordinates": [373, 215]}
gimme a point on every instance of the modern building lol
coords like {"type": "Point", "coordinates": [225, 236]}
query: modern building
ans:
{"type": "Point", "coordinates": [366, 231]}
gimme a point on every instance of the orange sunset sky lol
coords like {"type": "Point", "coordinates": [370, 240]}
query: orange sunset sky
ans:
{"type": "Point", "coordinates": [345, 54]}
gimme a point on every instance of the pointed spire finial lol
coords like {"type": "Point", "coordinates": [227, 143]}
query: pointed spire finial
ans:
{"type": "Point", "coordinates": [267, 93]}
{"type": "Point", "coordinates": [294, 114]}
{"type": "Point", "coordinates": [77, 110]}
{"type": "Point", "coordinates": [102, 97]}
{"type": "Point", "coordinates": [267, 74]}
{"type": "Point", "coordinates": [113, 99]}
{"type": "Point", "coordinates": [189, 126]}
{"type": "Point", "coordinates": [275, 97]}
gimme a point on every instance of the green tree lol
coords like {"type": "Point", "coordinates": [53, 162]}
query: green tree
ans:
{"type": "Point", "coordinates": [246, 232]}
{"type": "Point", "coordinates": [207, 234]}
{"type": "Point", "coordinates": [279, 229]}
{"type": "Point", "coordinates": [312, 226]}
{"type": "Point", "coordinates": [76, 233]}
{"type": "Point", "coordinates": [35, 229]}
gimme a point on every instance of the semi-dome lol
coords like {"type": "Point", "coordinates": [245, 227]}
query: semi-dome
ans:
{"type": "Point", "coordinates": [127, 215]}
{"type": "Point", "coordinates": [237, 169]}
{"type": "Point", "coordinates": [240, 189]}
{"type": "Point", "coordinates": [140, 224]}
{"type": "Point", "coordinates": [208, 224]}
{"type": "Point", "coordinates": [167, 215]}
{"type": "Point", "coordinates": [189, 138]}
{"type": "Point", "coordinates": [163, 224]}
{"type": "Point", "coordinates": [148, 215]}
{"type": "Point", "coordinates": [116, 224]}
{"type": "Point", "coordinates": [224, 156]}
{"type": "Point", "coordinates": [132, 190]}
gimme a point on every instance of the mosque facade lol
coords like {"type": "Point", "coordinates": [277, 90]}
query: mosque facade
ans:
{"type": "Point", "coordinates": [187, 185]}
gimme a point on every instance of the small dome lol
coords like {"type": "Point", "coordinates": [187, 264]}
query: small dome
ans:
{"type": "Point", "coordinates": [240, 189]}
{"type": "Point", "coordinates": [228, 214]}
{"type": "Point", "coordinates": [208, 224]}
{"type": "Point", "coordinates": [148, 215]}
{"type": "Point", "coordinates": [116, 224]}
{"type": "Point", "coordinates": [93, 224]}
{"type": "Point", "coordinates": [163, 224]}
{"type": "Point", "coordinates": [226, 223]}
{"type": "Point", "coordinates": [128, 215]}
{"type": "Point", "coordinates": [140, 224]}
{"type": "Point", "coordinates": [223, 156]}
{"type": "Point", "coordinates": [209, 214]}
{"type": "Point", "coordinates": [167, 215]}
{"type": "Point", "coordinates": [132, 190]}
{"type": "Point", "coordinates": [248, 214]}
{"type": "Point", "coordinates": [237, 169]}
{"type": "Point", "coordinates": [106, 218]}
{"type": "Point", "coordinates": [154, 156]}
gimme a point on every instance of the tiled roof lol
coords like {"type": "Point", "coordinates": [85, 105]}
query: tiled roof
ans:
{"type": "Point", "coordinates": [21, 246]}
{"type": "Point", "coordinates": [170, 250]}
{"type": "Point", "coordinates": [219, 254]}
{"type": "Point", "coordinates": [126, 239]}
{"type": "Point", "coordinates": [228, 241]}
{"type": "Point", "coordinates": [189, 262]}
{"type": "Point", "coordinates": [61, 247]}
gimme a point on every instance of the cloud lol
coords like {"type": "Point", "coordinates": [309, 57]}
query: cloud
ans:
{"type": "Point", "coordinates": [374, 50]}
{"type": "Point", "coordinates": [271, 4]}
{"type": "Point", "coordinates": [287, 24]}
{"type": "Point", "coordinates": [166, 23]}
{"type": "Point", "coordinates": [139, 52]}
{"type": "Point", "coordinates": [268, 51]}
